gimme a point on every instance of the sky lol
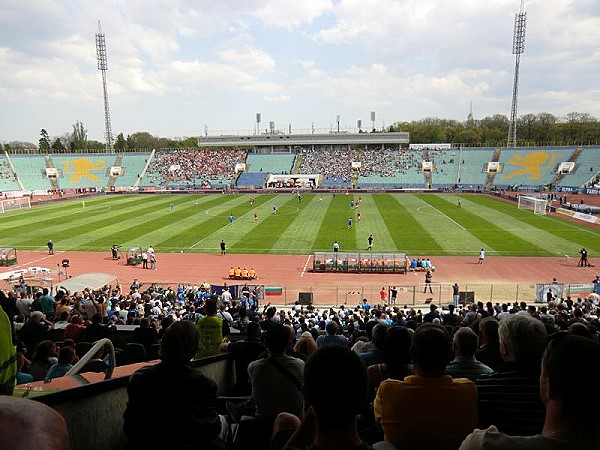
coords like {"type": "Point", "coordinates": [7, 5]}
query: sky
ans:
{"type": "Point", "coordinates": [179, 67]}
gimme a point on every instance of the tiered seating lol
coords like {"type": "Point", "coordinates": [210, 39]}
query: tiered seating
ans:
{"type": "Point", "coordinates": [406, 166]}
{"type": "Point", "coordinates": [83, 171]}
{"type": "Point", "coordinates": [587, 165]}
{"type": "Point", "coordinates": [29, 168]}
{"type": "Point", "coordinates": [335, 165]}
{"type": "Point", "coordinates": [192, 168]}
{"type": "Point", "coordinates": [7, 177]}
{"type": "Point", "coordinates": [335, 182]}
{"type": "Point", "coordinates": [133, 164]}
{"type": "Point", "coordinates": [445, 164]}
{"type": "Point", "coordinates": [270, 163]}
{"type": "Point", "coordinates": [251, 180]}
{"type": "Point", "coordinates": [530, 167]}
{"type": "Point", "coordinates": [471, 172]}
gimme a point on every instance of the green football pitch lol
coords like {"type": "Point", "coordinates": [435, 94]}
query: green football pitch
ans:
{"type": "Point", "coordinates": [420, 224]}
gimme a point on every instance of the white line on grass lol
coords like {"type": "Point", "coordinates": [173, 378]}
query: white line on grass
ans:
{"type": "Point", "coordinates": [228, 225]}
{"type": "Point", "coordinates": [449, 218]}
{"type": "Point", "coordinates": [305, 266]}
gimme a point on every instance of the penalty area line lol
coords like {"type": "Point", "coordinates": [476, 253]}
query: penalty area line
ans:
{"type": "Point", "coordinates": [305, 266]}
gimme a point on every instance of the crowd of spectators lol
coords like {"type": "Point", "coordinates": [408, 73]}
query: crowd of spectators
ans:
{"type": "Point", "coordinates": [476, 365]}
{"type": "Point", "coordinates": [389, 162]}
{"type": "Point", "coordinates": [334, 164]}
{"type": "Point", "coordinates": [193, 167]}
{"type": "Point", "coordinates": [6, 173]}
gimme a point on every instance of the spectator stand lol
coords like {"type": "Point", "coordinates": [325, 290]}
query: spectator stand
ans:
{"type": "Point", "coordinates": [364, 262]}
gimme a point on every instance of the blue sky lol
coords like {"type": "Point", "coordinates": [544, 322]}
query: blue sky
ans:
{"type": "Point", "coordinates": [178, 65]}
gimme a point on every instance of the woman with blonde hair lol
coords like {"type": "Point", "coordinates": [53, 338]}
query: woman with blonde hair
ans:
{"type": "Point", "coordinates": [306, 345]}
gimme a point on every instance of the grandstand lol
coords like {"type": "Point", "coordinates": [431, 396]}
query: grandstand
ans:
{"type": "Point", "coordinates": [251, 180]}
{"type": "Point", "coordinates": [586, 167]}
{"type": "Point", "coordinates": [83, 171]}
{"type": "Point", "coordinates": [30, 168]}
{"type": "Point", "coordinates": [133, 165]}
{"type": "Point", "coordinates": [276, 163]}
{"type": "Point", "coordinates": [530, 167]}
{"type": "Point", "coordinates": [8, 180]}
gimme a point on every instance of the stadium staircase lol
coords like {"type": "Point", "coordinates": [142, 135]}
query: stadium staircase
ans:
{"type": "Point", "coordinates": [150, 158]}
{"type": "Point", "coordinates": [113, 178]}
{"type": "Point", "coordinates": [427, 179]}
{"type": "Point", "coordinates": [297, 163]}
{"type": "Point", "coordinates": [50, 165]}
{"type": "Point", "coordinates": [491, 175]}
{"type": "Point", "coordinates": [12, 167]}
{"type": "Point", "coordinates": [559, 176]}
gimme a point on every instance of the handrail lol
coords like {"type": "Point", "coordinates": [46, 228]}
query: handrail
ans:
{"type": "Point", "coordinates": [90, 354]}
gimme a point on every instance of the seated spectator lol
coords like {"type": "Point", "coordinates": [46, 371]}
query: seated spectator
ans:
{"type": "Point", "coordinates": [374, 355]}
{"type": "Point", "coordinates": [244, 352]}
{"type": "Point", "coordinates": [75, 329]}
{"type": "Point", "coordinates": [276, 380]}
{"type": "Point", "coordinates": [28, 424]}
{"type": "Point", "coordinates": [571, 419]}
{"type": "Point", "coordinates": [306, 345]}
{"type": "Point", "coordinates": [96, 330]}
{"type": "Point", "coordinates": [510, 398]}
{"type": "Point", "coordinates": [172, 389]}
{"type": "Point", "coordinates": [44, 357]}
{"type": "Point", "coordinates": [332, 336]}
{"type": "Point", "coordinates": [330, 422]}
{"type": "Point", "coordinates": [396, 358]}
{"type": "Point", "coordinates": [146, 334]}
{"type": "Point", "coordinates": [428, 410]}
{"type": "Point", "coordinates": [489, 352]}
{"type": "Point", "coordinates": [66, 359]}
{"type": "Point", "coordinates": [464, 364]}
{"type": "Point", "coordinates": [22, 376]}
{"type": "Point", "coordinates": [35, 330]}
{"type": "Point", "coordinates": [211, 330]}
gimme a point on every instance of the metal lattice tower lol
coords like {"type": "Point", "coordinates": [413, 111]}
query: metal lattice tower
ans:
{"type": "Point", "coordinates": [518, 47]}
{"type": "Point", "coordinates": [103, 67]}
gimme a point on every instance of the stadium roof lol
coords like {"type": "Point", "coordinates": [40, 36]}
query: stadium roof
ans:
{"type": "Point", "coordinates": [269, 140]}
{"type": "Point", "coordinates": [91, 281]}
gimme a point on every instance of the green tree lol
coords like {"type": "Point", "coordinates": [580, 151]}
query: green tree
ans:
{"type": "Point", "coordinates": [57, 144]}
{"type": "Point", "coordinates": [44, 141]}
{"type": "Point", "coordinates": [121, 144]}
{"type": "Point", "coordinates": [79, 137]}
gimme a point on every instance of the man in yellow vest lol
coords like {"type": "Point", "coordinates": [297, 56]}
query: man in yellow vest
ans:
{"type": "Point", "coordinates": [8, 356]}
{"type": "Point", "coordinates": [211, 330]}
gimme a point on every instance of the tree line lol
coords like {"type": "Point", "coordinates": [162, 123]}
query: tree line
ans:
{"type": "Point", "coordinates": [543, 129]}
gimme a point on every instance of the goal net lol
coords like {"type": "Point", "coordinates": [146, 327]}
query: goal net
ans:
{"type": "Point", "coordinates": [535, 204]}
{"type": "Point", "coordinates": [15, 203]}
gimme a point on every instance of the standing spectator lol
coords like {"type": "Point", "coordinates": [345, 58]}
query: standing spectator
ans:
{"type": "Point", "coordinates": [510, 398]}
{"type": "Point", "coordinates": [157, 393]}
{"type": "Point", "coordinates": [464, 364]}
{"type": "Point", "coordinates": [571, 419]}
{"type": "Point", "coordinates": [455, 294]}
{"type": "Point", "coordinates": [393, 295]}
{"type": "Point", "coordinates": [48, 304]}
{"type": "Point", "coordinates": [409, 410]}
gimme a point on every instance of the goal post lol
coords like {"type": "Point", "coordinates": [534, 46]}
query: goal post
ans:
{"type": "Point", "coordinates": [535, 204]}
{"type": "Point", "coordinates": [15, 203]}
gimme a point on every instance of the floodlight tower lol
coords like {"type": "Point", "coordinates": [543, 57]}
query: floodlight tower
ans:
{"type": "Point", "coordinates": [518, 47]}
{"type": "Point", "coordinates": [103, 67]}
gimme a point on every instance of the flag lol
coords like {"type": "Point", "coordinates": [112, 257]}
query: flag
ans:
{"type": "Point", "coordinates": [273, 290]}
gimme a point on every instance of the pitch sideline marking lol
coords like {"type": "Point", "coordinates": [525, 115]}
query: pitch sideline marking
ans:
{"type": "Point", "coordinates": [441, 213]}
{"type": "Point", "coordinates": [305, 266]}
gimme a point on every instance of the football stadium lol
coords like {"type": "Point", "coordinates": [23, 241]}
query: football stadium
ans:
{"type": "Point", "coordinates": [430, 284]}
